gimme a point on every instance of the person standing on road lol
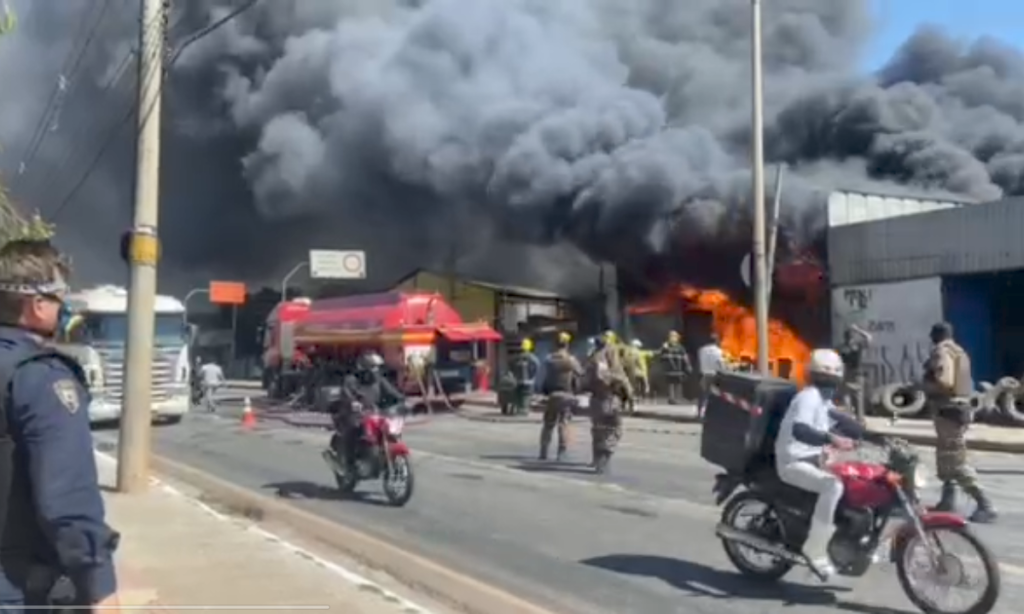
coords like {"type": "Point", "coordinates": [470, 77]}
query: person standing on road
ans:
{"type": "Point", "coordinates": [711, 360]}
{"type": "Point", "coordinates": [636, 369]}
{"type": "Point", "coordinates": [677, 367]}
{"type": "Point", "coordinates": [607, 383]}
{"type": "Point", "coordinates": [948, 384]}
{"type": "Point", "coordinates": [211, 378]}
{"type": "Point", "coordinates": [57, 547]}
{"type": "Point", "coordinates": [856, 341]}
{"type": "Point", "coordinates": [562, 373]}
{"type": "Point", "coordinates": [524, 370]}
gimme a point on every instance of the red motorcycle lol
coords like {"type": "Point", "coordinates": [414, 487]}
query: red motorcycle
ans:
{"type": "Point", "coordinates": [380, 453]}
{"type": "Point", "coordinates": [764, 526]}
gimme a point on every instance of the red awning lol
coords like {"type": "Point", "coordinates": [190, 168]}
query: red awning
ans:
{"type": "Point", "coordinates": [469, 333]}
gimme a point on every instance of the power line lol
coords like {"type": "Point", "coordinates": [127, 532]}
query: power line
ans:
{"type": "Point", "coordinates": [173, 58]}
{"type": "Point", "coordinates": [71, 65]}
{"type": "Point", "coordinates": [74, 153]}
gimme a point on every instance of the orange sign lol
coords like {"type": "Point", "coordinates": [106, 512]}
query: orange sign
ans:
{"type": "Point", "coordinates": [227, 293]}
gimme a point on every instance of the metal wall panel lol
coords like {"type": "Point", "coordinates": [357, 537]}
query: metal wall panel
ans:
{"type": "Point", "coordinates": [970, 239]}
{"type": "Point", "coordinates": [845, 208]}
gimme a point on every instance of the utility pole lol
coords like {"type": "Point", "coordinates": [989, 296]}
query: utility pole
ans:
{"type": "Point", "coordinates": [757, 164]}
{"type": "Point", "coordinates": [136, 411]}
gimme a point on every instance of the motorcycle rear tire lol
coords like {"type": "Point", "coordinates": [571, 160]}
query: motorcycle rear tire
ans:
{"type": "Point", "coordinates": [346, 482]}
{"type": "Point", "coordinates": [989, 597]}
{"type": "Point", "coordinates": [775, 573]}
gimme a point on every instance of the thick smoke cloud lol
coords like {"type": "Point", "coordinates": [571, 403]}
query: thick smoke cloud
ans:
{"type": "Point", "coordinates": [431, 131]}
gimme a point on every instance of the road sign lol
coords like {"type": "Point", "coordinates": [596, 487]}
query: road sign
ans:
{"type": "Point", "coordinates": [227, 293]}
{"type": "Point", "coordinates": [328, 264]}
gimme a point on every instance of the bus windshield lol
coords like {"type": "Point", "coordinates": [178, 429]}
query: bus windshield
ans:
{"type": "Point", "coordinates": [113, 327]}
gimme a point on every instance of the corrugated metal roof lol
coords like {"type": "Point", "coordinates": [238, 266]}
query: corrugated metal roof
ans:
{"type": "Point", "coordinates": [507, 289]}
{"type": "Point", "coordinates": [845, 208]}
{"type": "Point", "coordinates": [971, 239]}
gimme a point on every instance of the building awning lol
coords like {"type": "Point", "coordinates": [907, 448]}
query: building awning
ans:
{"type": "Point", "coordinates": [479, 332]}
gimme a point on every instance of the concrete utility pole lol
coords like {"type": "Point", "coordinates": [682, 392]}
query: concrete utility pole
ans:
{"type": "Point", "coordinates": [136, 411]}
{"type": "Point", "coordinates": [757, 164]}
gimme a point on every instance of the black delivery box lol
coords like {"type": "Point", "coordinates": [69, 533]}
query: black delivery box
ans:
{"type": "Point", "coordinates": [742, 418]}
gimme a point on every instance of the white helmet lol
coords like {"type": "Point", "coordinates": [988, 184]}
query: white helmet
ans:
{"type": "Point", "coordinates": [826, 363]}
{"type": "Point", "coordinates": [637, 343]}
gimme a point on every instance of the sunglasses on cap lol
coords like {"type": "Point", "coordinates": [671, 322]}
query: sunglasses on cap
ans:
{"type": "Point", "coordinates": [53, 291]}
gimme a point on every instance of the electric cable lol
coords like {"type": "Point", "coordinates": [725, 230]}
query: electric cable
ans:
{"type": "Point", "coordinates": [72, 63]}
{"type": "Point", "coordinates": [172, 59]}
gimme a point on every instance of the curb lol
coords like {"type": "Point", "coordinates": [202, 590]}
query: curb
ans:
{"type": "Point", "coordinates": [419, 573]}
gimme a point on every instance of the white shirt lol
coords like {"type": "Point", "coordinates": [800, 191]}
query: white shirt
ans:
{"type": "Point", "coordinates": [807, 407]}
{"type": "Point", "coordinates": [711, 359]}
{"type": "Point", "coordinates": [211, 374]}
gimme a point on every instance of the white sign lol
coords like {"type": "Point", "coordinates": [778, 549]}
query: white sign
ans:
{"type": "Point", "coordinates": [327, 264]}
{"type": "Point", "coordinates": [899, 317]}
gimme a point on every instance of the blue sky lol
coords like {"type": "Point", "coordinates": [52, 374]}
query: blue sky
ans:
{"type": "Point", "coordinates": [1003, 19]}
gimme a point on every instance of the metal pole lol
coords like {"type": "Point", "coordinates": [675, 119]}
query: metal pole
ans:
{"type": "Point", "coordinates": [234, 333]}
{"type": "Point", "coordinates": [190, 294]}
{"type": "Point", "coordinates": [773, 227]}
{"type": "Point", "coordinates": [288, 277]}
{"type": "Point", "coordinates": [136, 411]}
{"type": "Point", "coordinates": [757, 164]}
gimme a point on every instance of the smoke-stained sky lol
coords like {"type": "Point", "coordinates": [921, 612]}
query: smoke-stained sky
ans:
{"type": "Point", "coordinates": [429, 130]}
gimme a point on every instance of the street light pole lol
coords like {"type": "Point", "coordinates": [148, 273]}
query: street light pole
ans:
{"type": "Point", "coordinates": [288, 277]}
{"type": "Point", "coordinates": [757, 164]}
{"type": "Point", "coordinates": [190, 294]}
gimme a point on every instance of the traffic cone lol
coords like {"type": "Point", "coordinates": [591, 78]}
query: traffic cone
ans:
{"type": "Point", "coordinates": [248, 417]}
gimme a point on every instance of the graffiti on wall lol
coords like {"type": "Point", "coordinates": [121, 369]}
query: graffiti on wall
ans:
{"type": "Point", "coordinates": [898, 316]}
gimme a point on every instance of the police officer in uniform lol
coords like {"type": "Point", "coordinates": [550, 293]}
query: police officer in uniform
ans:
{"type": "Point", "coordinates": [55, 546]}
{"type": "Point", "coordinates": [608, 385]}
{"type": "Point", "coordinates": [562, 373]}
{"type": "Point", "coordinates": [948, 384]}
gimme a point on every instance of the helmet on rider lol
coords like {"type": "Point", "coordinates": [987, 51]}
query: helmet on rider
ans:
{"type": "Point", "coordinates": [370, 362]}
{"type": "Point", "coordinates": [825, 368]}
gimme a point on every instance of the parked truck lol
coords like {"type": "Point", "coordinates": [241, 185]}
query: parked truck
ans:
{"type": "Point", "coordinates": [97, 337]}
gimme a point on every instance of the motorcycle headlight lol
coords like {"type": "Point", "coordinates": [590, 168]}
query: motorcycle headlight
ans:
{"type": "Point", "coordinates": [920, 478]}
{"type": "Point", "coordinates": [395, 425]}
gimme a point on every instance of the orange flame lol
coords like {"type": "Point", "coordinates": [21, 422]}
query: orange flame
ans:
{"type": "Point", "coordinates": [737, 328]}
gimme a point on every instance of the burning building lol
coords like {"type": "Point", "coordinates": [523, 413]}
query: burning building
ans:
{"type": "Point", "coordinates": [703, 288]}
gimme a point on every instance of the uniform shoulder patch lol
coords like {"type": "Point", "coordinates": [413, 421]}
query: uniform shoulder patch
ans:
{"type": "Point", "coordinates": [67, 392]}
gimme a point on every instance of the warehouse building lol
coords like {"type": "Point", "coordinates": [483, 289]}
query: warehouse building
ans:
{"type": "Point", "coordinates": [898, 274]}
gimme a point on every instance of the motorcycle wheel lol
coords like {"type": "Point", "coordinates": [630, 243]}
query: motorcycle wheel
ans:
{"type": "Point", "coordinates": [399, 482]}
{"type": "Point", "coordinates": [346, 482]}
{"type": "Point", "coordinates": [986, 601]}
{"type": "Point", "coordinates": [739, 554]}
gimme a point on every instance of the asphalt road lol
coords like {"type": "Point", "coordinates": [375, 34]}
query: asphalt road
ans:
{"type": "Point", "coordinates": [640, 540]}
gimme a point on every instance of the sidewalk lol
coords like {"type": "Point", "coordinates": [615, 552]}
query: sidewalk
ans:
{"type": "Point", "coordinates": [176, 552]}
{"type": "Point", "coordinates": [981, 437]}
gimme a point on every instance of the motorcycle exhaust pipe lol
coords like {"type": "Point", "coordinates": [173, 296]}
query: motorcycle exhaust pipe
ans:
{"type": "Point", "coordinates": [732, 534]}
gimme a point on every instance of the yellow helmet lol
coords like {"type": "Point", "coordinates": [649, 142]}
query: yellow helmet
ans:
{"type": "Point", "coordinates": [527, 345]}
{"type": "Point", "coordinates": [673, 336]}
{"type": "Point", "coordinates": [564, 338]}
{"type": "Point", "coordinates": [609, 336]}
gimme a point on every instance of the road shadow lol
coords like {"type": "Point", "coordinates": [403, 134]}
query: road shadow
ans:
{"type": "Point", "coordinates": [531, 464]}
{"type": "Point", "coordinates": [319, 492]}
{"type": "Point", "coordinates": [705, 581]}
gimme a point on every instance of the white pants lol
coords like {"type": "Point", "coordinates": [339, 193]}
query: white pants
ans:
{"type": "Point", "coordinates": [829, 489]}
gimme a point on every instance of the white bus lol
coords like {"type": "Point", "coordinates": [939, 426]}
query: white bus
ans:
{"type": "Point", "coordinates": [97, 336]}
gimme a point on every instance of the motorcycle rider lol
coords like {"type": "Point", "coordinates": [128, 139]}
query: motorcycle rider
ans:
{"type": "Point", "coordinates": [366, 388]}
{"type": "Point", "coordinates": [811, 423]}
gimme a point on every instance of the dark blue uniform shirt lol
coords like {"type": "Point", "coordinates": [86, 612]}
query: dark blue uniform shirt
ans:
{"type": "Point", "coordinates": [55, 519]}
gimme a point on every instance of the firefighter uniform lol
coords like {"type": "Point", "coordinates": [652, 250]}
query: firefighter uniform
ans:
{"type": "Point", "coordinates": [524, 370]}
{"type": "Point", "coordinates": [562, 373]}
{"type": "Point", "coordinates": [676, 363]}
{"type": "Point", "coordinates": [637, 372]}
{"type": "Point", "coordinates": [948, 384]}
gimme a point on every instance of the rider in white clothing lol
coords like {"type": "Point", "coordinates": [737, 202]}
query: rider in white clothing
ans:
{"type": "Point", "coordinates": [805, 431]}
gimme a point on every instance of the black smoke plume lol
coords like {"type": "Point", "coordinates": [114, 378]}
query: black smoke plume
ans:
{"type": "Point", "coordinates": [521, 138]}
